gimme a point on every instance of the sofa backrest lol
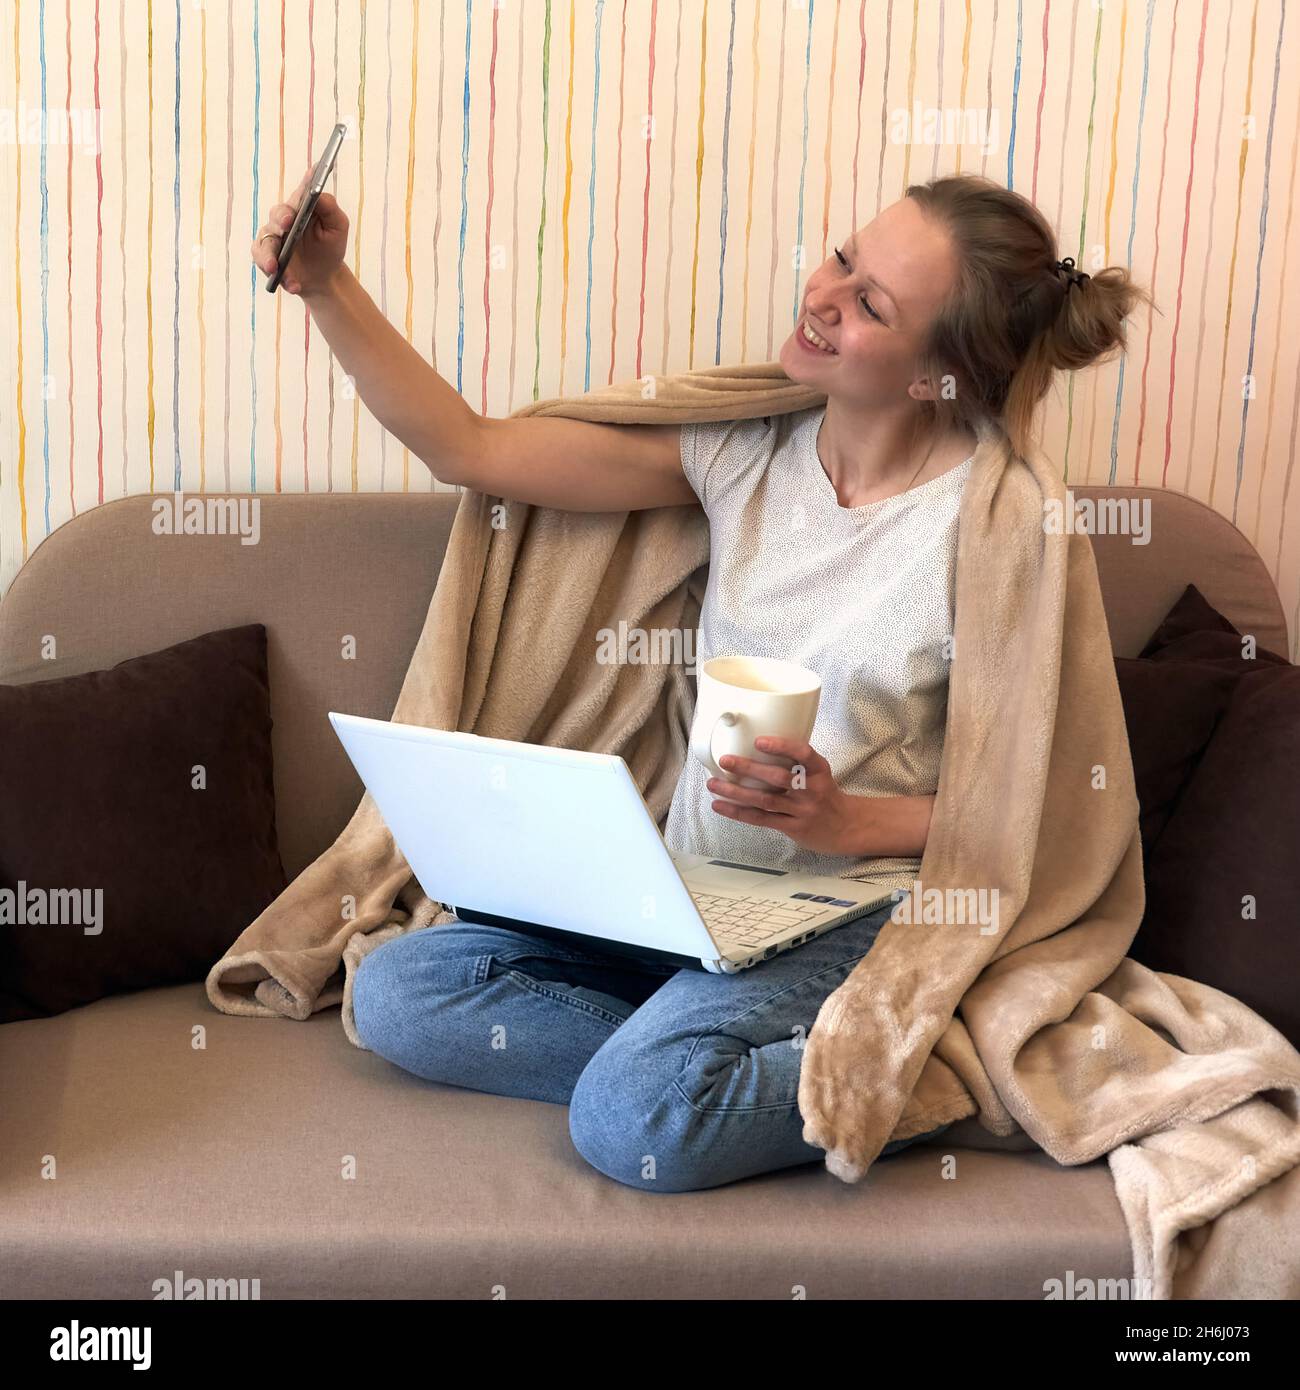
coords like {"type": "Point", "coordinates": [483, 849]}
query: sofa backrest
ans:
{"type": "Point", "coordinates": [337, 566]}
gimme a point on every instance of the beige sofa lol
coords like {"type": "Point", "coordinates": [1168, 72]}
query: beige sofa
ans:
{"type": "Point", "coordinates": [226, 1162]}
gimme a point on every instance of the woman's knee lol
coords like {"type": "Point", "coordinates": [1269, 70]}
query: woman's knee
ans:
{"type": "Point", "coordinates": [373, 988]}
{"type": "Point", "coordinates": [632, 1128]}
{"type": "Point", "coordinates": [397, 987]}
{"type": "Point", "coordinates": [615, 1144]}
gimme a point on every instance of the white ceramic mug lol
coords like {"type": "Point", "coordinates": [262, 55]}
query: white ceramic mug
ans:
{"type": "Point", "coordinates": [741, 698]}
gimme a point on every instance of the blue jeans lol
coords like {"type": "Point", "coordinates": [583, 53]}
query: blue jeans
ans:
{"type": "Point", "coordinates": [676, 1079]}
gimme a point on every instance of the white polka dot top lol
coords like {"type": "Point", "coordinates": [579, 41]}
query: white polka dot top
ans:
{"type": "Point", "coordinates": [861, 595]}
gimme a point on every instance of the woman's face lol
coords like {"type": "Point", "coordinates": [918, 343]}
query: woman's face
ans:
{"type": "Point", "coordinates": [874, 308]}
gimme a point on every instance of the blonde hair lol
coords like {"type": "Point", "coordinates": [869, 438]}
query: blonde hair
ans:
{"type": "Point", "coordinates": [1013, 319]}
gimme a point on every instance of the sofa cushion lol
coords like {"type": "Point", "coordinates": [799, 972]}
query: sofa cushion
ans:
{"type": "Point", "coordinates": [1223, 878]}
{"type": "Point", "coordinates": [1194, 631]}
{"type": "Point", "coordinates": [1174, 693]}
{"type": "Point", "coordinates": [137, 825]}
{"type": "Point", "coordinates": [457, 1192]}
{"type": "Point", "coordinates": [1223, 883]}
{"type": "Point", "coordinates": [1170, 709]}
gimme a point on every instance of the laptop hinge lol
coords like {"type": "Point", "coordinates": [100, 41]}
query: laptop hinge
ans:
{"type": "Point", "coordinates": [592, 945]}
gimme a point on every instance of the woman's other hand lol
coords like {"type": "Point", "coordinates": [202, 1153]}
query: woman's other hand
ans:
{"type": "Point", "coordinates": [320, 249]}
{"type": "Point", "coordinates": [801, 798]}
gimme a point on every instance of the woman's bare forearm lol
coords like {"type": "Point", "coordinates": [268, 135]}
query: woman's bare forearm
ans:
{"type": "Point", "coordinates": [893, 825]}
{"type": "Point", "coordinates": [400, 389]}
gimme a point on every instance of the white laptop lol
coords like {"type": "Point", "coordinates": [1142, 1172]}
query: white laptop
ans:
{"type": "Point", "coordinates": [559, 843]}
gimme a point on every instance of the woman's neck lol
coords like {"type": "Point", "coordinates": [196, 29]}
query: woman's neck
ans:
{"type": "Point", "coordinates": [861, 481]}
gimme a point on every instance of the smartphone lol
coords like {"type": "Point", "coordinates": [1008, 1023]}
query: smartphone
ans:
{"type": "Point", "coordinates": [319, 175]}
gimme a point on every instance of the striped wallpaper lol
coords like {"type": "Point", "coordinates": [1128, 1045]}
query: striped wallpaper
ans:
{"type": "Point", "coordinates": [547, 195]}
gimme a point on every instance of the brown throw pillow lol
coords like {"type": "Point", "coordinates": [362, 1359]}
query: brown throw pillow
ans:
{"type": "Point", "coordinates": [1174, 693]}
{"type": "Point", "coordinates": [1195, 631]}
{"type": "Point", "coordinates": [137, 825]}
{"type": "Point", "coordinates": [1171, 709]}
{"type": "Point", "coordinates": [1223, 879]}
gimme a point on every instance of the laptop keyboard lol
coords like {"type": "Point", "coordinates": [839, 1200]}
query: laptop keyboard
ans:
{"type": "Point", "coordinates": [752, 921]}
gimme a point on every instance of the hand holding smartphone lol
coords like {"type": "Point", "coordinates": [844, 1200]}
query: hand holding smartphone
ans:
{"type": "Point", "coordinates": [318, 254]}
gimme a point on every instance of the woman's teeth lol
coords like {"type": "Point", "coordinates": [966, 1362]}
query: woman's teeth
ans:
{"type": "Point", "coordinates": [815, 339]}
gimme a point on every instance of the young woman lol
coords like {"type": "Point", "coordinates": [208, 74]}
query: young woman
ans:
{"type": "Point", "coordinates": [832, 543]}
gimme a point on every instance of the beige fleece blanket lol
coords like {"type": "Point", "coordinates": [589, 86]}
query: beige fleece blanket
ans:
{"type": "Point", "coordinates": [1042, 1024]}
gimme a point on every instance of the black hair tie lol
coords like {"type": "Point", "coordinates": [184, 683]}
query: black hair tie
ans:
{"type": "Point", "coordinates": [1077, 277]}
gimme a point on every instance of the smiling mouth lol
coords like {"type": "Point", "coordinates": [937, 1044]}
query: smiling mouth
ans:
{"type": "Point", "coordinates": [814, 339]}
